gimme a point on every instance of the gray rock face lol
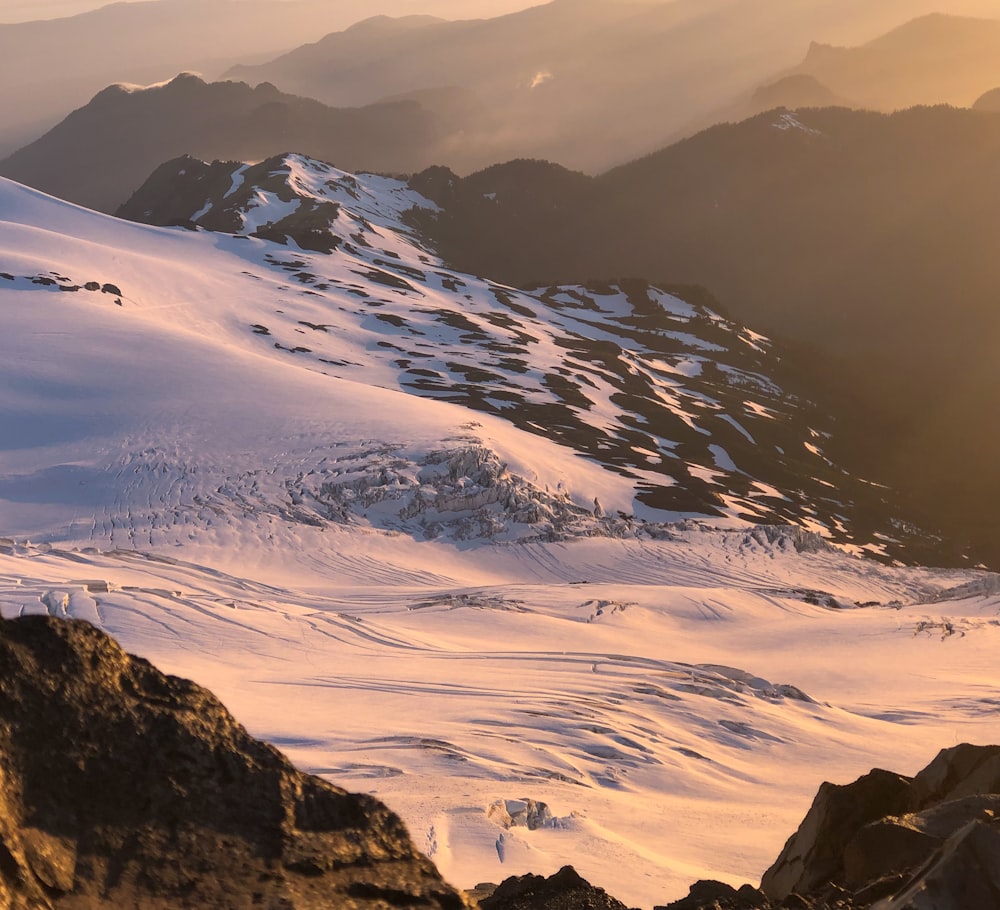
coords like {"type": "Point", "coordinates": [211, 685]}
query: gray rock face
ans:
{"type": "Point", "coordinates": [122, 787]}
{"type": "Point", "coordinates": [963, 770]}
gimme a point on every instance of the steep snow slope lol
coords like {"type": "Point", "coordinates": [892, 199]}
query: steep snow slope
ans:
{"type": "Point", "coordinates": [425, 601]}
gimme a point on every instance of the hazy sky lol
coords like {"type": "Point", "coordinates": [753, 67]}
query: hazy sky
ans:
{"type": "Point", "coordinates": [23, 10]}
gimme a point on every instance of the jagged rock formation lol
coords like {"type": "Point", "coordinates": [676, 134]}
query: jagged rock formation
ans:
{"type": "Point", "coordinates": [814, 855]}
{"type": "Point", "coordinates": [565, 890]}
{"type": "Point", "coordinates": [887, 842]}
{"type": "Point", "coordinates": [120, 786]}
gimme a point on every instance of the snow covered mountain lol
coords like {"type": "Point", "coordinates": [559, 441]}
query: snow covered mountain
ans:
{"type": "Point", "coordinates": [471, 548]}
{"type": "Point", "coordinates": [678, 400]}
{"type": "Point", "coordinates": [809, 226]}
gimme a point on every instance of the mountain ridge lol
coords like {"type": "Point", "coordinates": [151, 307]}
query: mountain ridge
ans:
{"type": "Point", "coordinates": [125, 132]}
{"type": "Point", "coordinates": [811, 226]}
{"type": "Point", "coordinates": [656, 357]}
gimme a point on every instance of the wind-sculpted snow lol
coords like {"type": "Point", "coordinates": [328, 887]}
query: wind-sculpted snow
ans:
{"type": "Point", "coordinates": [661, 698]}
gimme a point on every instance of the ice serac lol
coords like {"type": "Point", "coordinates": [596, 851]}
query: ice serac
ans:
{"type": "Point", "coordinates": [121, 786]}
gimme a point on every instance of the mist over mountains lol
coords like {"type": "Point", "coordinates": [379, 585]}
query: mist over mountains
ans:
{"type": "Point", "coordinates": [103, 152]}
{"type": "Point", "coordinates": [593, 84]}
{"type": "Point", "coordinates": [933, 59]}
{"type": "Point", "coordinates": [56, 65]}
{"type": "Point", "coordinates": [936, 59]}
{"type": "Point", "coordinates": [588, 84]}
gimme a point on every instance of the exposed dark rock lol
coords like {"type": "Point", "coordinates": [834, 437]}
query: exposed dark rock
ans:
{"type": "Point", "coordinates": [792, 221]}
{"type": "Point", "coordinates": [191, 193]}
{"type": "Point", "coordinates": [963, 873]}
{"type": "Point", "coordinates": [719, 895]}
{"type": "Point", "coordinates": [565, 890]}
{"type": "Point", "coordinates": [814, 855]}
{"type": "Point", "coordinates": [120, 786]}
{"type": "Point", "coordinates": [938, 849]}
{"type": "Point", "coordinates": [962, 770]}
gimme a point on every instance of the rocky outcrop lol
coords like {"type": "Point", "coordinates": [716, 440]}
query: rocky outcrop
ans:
{"type": "Point", "coordinates": [887, 842]}
{"type": "Point", "coordinates": [565, 890]}
{"type": "Point", "coordinates": [814, 855]}
{"type": "Point", "coordinates": [719, 896]}
{"type": "Point", "coordinates": [218, 196]}
{"type": "Point", "coordinates": [120, 786]}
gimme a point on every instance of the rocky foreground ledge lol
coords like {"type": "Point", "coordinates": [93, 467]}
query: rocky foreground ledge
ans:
{"type": "Point", "coordinates": [887, 842]}
{"type": "Point", "coordinates": [123, 787]}
{"type": "Point", "coordinates": [884, 842]}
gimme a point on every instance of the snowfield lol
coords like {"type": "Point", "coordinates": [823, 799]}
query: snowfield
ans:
{"type": "Point", "coordinates": [411, 594]}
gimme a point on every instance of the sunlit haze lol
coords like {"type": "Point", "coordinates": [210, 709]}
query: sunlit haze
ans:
{"type": "Point", "coordinates": [571, 423]}
{"type": "Point", "coordinates": [28, 10]}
